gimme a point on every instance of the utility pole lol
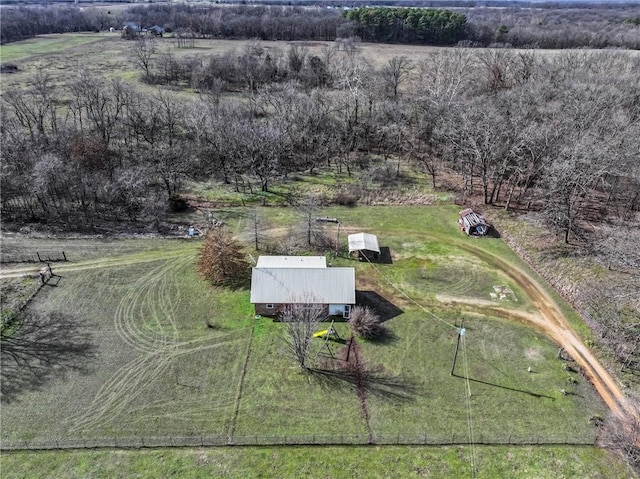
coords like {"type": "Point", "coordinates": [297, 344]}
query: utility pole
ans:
{"type": "Point", "coordinates": [461, 332]}
{"type": "Point", "coordinates": [325, 219]}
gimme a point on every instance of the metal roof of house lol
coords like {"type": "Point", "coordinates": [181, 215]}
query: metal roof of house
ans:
{"type": "Point", "coordinates": [292, 262]}
{"type": "Point", "coordinates": [303, 285]}
{"type": "Point", "coordinates": [362, 241]}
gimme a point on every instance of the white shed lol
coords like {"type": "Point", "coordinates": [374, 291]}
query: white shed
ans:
{"type": "Point", "coordinates": [365, 244]}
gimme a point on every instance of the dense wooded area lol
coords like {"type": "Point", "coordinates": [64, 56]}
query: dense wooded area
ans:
{"type": "Point", "coordinates": [546, 26]}
{"type": "Point", "coordinates": [559, 134]}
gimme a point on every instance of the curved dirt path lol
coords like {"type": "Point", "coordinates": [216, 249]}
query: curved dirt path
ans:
{"type": "Point", "coordinates": [554, 325]}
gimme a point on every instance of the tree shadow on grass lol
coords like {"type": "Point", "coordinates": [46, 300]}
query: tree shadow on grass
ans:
{"type": "Point", "coordinates": [348, 371]}
{"type": "Point", "coordinates": [477, 358]}
{"type": "Point", "coordinates": [39, 350]}
{"type": "Point", "coordinates": [523, 391]}
{"type": "Point", "coordinates": [377, 384]}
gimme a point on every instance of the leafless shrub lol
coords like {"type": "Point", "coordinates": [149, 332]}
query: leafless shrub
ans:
{"type": "Point", "coordinates": [623, 435]}
{"type": "Point", "coordinates": [366, 323]}
{"type": "Point", "coordinates": [347, 196]}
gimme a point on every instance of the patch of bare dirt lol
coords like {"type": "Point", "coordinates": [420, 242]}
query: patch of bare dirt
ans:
{"type": "Point", "coordinates": [533, 354]}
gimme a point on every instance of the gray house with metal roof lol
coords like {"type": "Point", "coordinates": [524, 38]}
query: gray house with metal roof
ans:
{"type": "Point", "coordinates": [275, 286]}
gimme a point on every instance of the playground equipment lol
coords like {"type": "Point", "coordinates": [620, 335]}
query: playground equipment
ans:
{"type": "Point", "coordinates": [327, 334]}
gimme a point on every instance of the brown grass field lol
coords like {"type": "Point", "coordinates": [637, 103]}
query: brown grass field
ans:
{"type": "Point", "coordinates": [108, 55]}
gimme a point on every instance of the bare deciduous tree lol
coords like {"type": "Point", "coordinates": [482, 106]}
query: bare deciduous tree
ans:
{"type": "Point", "coordinates": [301, 320]}
{"type": "Point", "coordinates": [395, 72]}
{"type": "Point", "coordinates": [623, 435]}
{"type": "Point", "coordinates": [144, 52]}
{"type": "Point", "coordinates": [296, 56]}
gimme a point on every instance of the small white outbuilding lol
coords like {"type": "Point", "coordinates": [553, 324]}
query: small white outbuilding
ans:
{"type": "Point", "coordinates": [365, 244]}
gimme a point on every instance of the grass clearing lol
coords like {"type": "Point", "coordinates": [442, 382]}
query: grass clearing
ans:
{"type": "Point", "coordinates": [335, 462]}
{"type": "Point", "coordinates": [281, 400]}
{"type": "Point", "coordinates": [169, 352]}
{"type": "Point", "coordinates": [46, 45]}
{"type": "Point", "coordinates": [506, 400]}
{"type": "Point", "coordinates": [110, 55]}
{"type": "Point", "coordinates": [152, 350]}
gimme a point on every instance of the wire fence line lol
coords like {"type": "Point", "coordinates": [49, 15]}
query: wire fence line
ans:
{"type": "Point", "coordinates": [293, 440]}
{"type": "Point", "coordinates": [37, 257]}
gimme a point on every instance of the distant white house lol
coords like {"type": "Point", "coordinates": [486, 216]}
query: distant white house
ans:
{"type": "Point", "coordinates": [365, 244]}
{"type": "Point", "coordinates": [278, 281]}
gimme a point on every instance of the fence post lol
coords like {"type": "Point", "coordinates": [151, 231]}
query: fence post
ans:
{"type": "Point", "coordinates": [39, 259]}
{"type": "Point", "coordinates": [64, 256]}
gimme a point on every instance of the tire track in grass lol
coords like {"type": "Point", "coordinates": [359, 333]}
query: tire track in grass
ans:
{"type": "Point", "coordinates": [117, 262]}
{"type": "Point", "coordinates": [130, 381]}
{"type": "Point", "coordinates": [146, 293]}
{"type": "Point", "coordinates": [124, 386]}
{"type": "Point", "coordinates": [149, 297]}
{"type": "Point", "coordinates": [234, 419]}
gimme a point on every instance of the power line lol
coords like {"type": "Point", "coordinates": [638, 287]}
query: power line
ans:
{"type": "Point", "coordinates": [397, 288]}
{"type": "Point", "coordinates": [465, 364]}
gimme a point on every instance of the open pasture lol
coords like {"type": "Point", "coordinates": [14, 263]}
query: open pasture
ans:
{"type": "Point", "coordinates": [107, 55]}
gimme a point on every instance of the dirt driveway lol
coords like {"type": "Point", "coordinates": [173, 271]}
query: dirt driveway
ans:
{"type": "Point", "coordinates": [554, 325]}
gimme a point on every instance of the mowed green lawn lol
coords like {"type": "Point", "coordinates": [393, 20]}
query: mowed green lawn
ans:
{"type": "Point", "coordinates": [168, 356]}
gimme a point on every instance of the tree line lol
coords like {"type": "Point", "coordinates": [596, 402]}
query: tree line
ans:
{"type": "Point", "coordinates": [408, 25]}
{"type": "Point", "coordinates": [558, 134]}
{"type": "Point", "coordinates": [579, 26]}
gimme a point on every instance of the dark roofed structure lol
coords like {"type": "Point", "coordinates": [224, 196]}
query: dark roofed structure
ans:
{"type": "Point", "coordinates": [473, 223]}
